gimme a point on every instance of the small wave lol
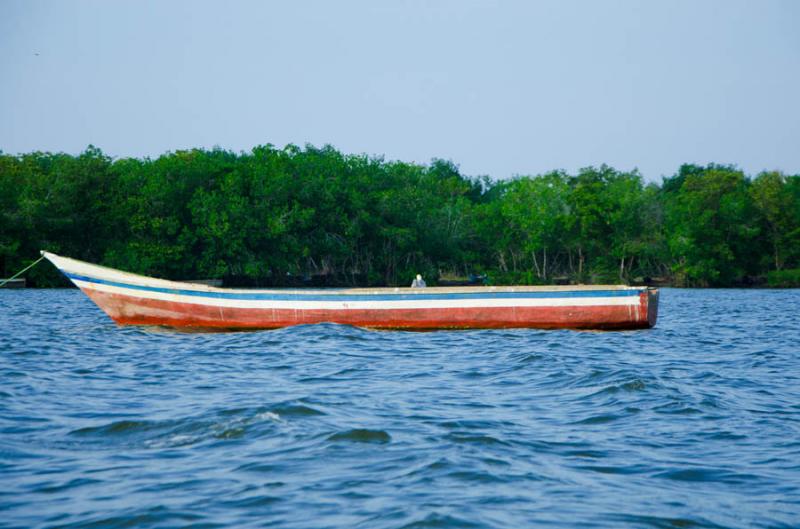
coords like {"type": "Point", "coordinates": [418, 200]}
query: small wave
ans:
{"type": "Point", "coordinates": [623, 379]}
{"type": "Point", "coordinates": [259, 467]}
{"type": "Point", "coordinates": [436, 520]}
{"type": "Point", "coordinates": [664, 522]}
{"type": "Point", "coordinates": [232, 424]}
{"type": "Point", "coordinates": [528, 358]}
{"type": "Point", "coordinates": [475, 439]}
{"type": "Point", "coordinates": [632, 386]}
{"type": "Point", "coordinates": [677, 408]}
{"type": "Point", "coordinates": [361, 435]}
{"type": "Point", "coordinates": [476, 477]}
{"type": "Point", "coordinates": [607, 469]}
{"type": "Point", "coordinates": [598, 419]}
{"type": "Point", "coordinates": [253, 502]}
{"type": "Point", "coordinates": [586, 454]}
{"type": "Point", "coordinates": [724, 436]}
{"type": "Point", "coordinates": [428, 468]}
{"type": "Point", "coordinates": [117, 428]}
{"type": "Point", "coordinates": [180, 484]}
{"type": "Point", "coordinates": [230, 433]}
{"type": "Point", "coordinates": [473, 424]}
{"type": "Point", "coordinates": [156, 516]}
{"type": "Point", "coordinates": [72, 484]}
{"type": "Point", "coordinates": [295, 410]}
{"type": "Point", "coordinates": [322, 332]}
{"type": "Point", "coordinates": [708, 475]}
{"type": "Point", "coordinates": [266, 416]}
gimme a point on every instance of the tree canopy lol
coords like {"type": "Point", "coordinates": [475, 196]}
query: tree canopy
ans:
{"type": "Point", "coordinates": [313, 215]}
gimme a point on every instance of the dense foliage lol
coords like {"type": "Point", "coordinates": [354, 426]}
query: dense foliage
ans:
{"type": "Point", "coordinates": [288, 216]}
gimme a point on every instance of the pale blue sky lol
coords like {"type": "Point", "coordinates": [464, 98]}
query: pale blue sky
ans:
{"type": "Point", "coordinates": [499, 87]}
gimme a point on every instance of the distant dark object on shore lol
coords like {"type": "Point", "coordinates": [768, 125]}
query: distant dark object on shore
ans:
{"type": "Point", "coordinates": [470, 281]}
{"type": "Point", "coordinates": [13, 283]}
{"type": "Point", "coordinates": [651, 282]}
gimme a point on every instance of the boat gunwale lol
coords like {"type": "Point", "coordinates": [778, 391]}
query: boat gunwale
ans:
{"type": "Point", "coordinates": [111, 274]}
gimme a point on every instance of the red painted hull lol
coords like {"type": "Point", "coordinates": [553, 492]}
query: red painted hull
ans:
{"type": "Point", "coordinates": [133, 310]}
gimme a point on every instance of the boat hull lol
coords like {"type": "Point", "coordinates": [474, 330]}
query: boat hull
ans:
{"type": "Point", "coordinates": [139, 300]}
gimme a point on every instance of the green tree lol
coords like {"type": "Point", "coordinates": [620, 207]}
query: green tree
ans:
{"type": "Point", "coordinates": [537, 210]}
{"type": "Point", "coordinates": [775, 204]}
{"type": "Point", "coordinates": [712, 227]}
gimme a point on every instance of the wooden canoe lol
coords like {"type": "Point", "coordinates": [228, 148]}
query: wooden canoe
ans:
{"type": "Point", "coordinates": [139, 300]}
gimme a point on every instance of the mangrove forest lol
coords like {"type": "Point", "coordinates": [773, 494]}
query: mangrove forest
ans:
{"type": "Point", "coordinates": [309, 216]}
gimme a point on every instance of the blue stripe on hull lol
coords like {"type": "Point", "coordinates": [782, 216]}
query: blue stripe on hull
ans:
{"type": "Point", "coordinates": [366, 297]}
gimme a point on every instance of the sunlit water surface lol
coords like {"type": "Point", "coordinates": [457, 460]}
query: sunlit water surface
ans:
{"type": "Point", "coordinates": [695, 423]}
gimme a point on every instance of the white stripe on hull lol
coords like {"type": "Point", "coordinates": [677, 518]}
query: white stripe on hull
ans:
{"type": "Point", "coordinates": [362, 305]}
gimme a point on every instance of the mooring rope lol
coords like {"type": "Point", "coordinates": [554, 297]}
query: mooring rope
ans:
{"type": "Point", "coordinates": [21, 271]}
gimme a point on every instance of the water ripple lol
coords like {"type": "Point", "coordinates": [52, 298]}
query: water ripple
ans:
{"type": "Point", "coordinates": [692, 424]}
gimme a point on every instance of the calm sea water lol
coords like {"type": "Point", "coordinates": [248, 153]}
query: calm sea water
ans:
{"type": "Point", "coordinates": [695, 423]}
